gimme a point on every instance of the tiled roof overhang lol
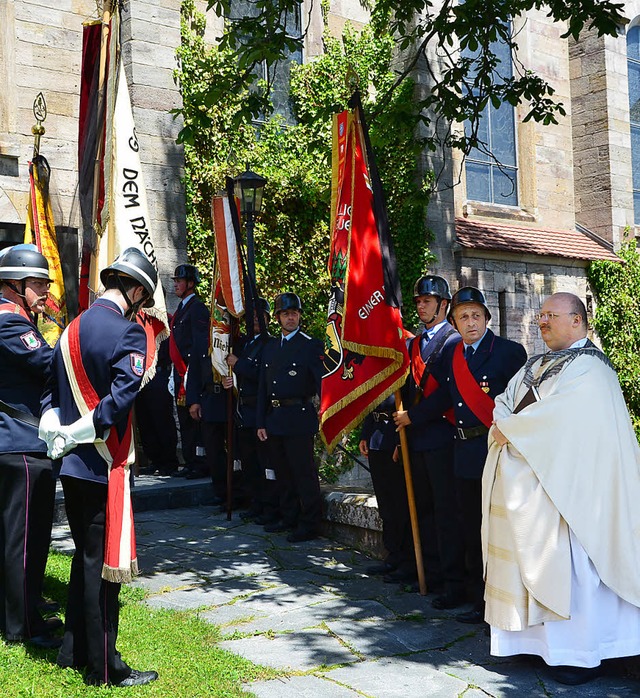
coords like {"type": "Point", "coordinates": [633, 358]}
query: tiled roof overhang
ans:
{"type": "Point", "coordinates": [500, 237]}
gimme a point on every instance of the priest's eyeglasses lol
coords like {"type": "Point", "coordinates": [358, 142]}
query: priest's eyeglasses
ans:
{"type": "Point", "coordinates": [545, 317]}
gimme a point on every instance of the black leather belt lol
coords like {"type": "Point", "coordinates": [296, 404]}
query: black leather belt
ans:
{"type": "Point", "coordinates": [250, 401]}
{"type": "Point", "coordinates": [472, 432]}
{"type": "Point", "coordinates": [21, 416]}
{"type": "Point", "coordinates": [288, 401]}
{"type": "Point", "coordinates": [381, 416]}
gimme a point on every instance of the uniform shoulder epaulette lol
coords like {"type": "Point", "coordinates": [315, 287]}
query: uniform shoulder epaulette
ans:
{"type": "Point", "coordinates": [305, 335]}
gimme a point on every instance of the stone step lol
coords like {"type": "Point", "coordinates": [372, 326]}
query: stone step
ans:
{"type": "Point", "coordinates": [350, 513]}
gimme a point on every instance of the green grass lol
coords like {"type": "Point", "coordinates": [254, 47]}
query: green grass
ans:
{"type": "Point", "coordinates": [179, 646]}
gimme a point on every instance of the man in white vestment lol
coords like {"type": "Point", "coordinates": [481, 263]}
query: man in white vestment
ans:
{"type": "Point", "coordinates": [561, 520]}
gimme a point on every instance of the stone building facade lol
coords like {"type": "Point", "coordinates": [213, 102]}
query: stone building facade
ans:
{"type": "Point", "coordinates": [573, 194]}
{"type": "Point", "coordinates": [41, 51]}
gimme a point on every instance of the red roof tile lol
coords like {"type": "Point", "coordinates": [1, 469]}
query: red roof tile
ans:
{"type": "Point", "coordinates": [500, 237]}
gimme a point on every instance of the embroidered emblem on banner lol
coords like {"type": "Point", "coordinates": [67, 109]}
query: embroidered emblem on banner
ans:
{"type": "Point", "coordinates": [31, 340]}
{"type": "Point", "coordinates": [137, 363]}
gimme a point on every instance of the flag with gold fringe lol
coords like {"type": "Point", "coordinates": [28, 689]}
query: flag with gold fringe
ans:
{"type": "Point", "coordinates": [366, 357]}
{"type": "Point", "coordinates": [40, 230]}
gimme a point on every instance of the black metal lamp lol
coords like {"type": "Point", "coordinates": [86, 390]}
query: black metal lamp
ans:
{"type": "Point", "coordinates": [248, 188]}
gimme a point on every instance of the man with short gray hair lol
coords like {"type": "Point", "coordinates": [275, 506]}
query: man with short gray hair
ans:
{"type": "Point", "coordinates": [561, 525]}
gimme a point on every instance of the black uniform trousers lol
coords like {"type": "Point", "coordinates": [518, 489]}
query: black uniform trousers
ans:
{"type": "Point", "coordinates": [190, 436]}
{"type": "Point", "coordinates": [214, 439]}
{"type": "Point", "coordinates": [27, 492]}
{"type": "Point", "coordinates": [254, 457]}
{"type": "Point", "coordinates": [391, 494]}
{"type": "Point", "coordinates": [439, 523]}
{"type": "Point", "coordinates": [291, 457]}
{"type": "Point", "coordinates": [157, 426]}
{"type": "Point", "coordinates": [91, 623]}
{"type": "Point", "coordinates": [470, 498]}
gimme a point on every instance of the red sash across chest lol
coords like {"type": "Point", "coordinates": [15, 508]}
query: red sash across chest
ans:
{"type": "Point", "coordinates": [429, 385]}
{"type": "Point", "coordinates": [120, 544]}
{"type": "Point", "coordinates": [479, 402]}
{"type": "Point", "coordinates": [16, 310]}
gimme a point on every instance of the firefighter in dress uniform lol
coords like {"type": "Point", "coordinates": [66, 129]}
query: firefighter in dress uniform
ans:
{"type": "Point", "coordinates": [104, 351]}
{"type": "Point", "coordinates": [479, 370]}
{"type": "Point", "coordinates": [431, 446]}
{"type": "Point", "coordinates": [27, 486]}
{"type": "Point", "coordinates": [259, 485]}
{"type": "Point", "coordinates": [378, 442]}
{"type": "Point", "coordinates": [291, 375]}
{"type": "Point", "coordinates": [189, 334]}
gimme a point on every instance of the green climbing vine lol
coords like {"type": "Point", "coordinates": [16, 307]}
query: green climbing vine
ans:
{"type": "Point", "coordinates": [292, 233]}
{"type": "Point", "coordinates": [617, 291]}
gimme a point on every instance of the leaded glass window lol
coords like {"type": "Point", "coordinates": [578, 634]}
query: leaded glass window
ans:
{"type": "Point", "coordinates": [491, 169]}
{"type": "Point", "coordinates": [280, 73]}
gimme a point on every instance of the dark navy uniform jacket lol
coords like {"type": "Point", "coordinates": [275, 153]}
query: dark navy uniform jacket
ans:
{"type": "Point", "coordinates": [113, 352]}
{"type": "Point", "coordinates": [190, 328]}
{"type": "Point", "coordinates": [379, 429]}
{"type": "Point", "coordinates": [25, 363]}
{"type": "Point", "coordinates": [202, 387]}
{"type": "Point", "coordinates": [429, 429]}
{"type": "Point", "coordinates": [292, 373]}
{"type": "Point", "coordinates": [494, 363]}
{"type": "Point", "coordinates": [247, 370]}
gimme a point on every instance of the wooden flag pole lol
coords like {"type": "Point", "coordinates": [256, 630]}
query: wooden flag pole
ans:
{"type": "Point", "coordinates": [413, 515]}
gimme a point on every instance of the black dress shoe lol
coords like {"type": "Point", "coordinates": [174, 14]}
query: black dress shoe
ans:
{"type": "Point", "coordinates": [48, 606]}
{"type": "Point", "coordinates": [400, 575]}
{"type": "Point", "coordinates": [195, 475]}
{"type": "Point", "coordinates": [301, 535]}
{"type": "Point", "coordinates": [44, 642]}
{"type": "Point", "coordinates": [474, 617]}
{"type": "Point", "coordinates": [380, 568]}
{"type": "Point", "coordinates": [179, 472]}
{"type": "Point", "coordinates": [414, 587]}
{"type": "Point", "coordinates": [574, 675]}
{"type": "Point", "coordinates": [278, 527]}
{"type": "Point", "coordinates": [249, 515]}
{"type": "Point", "coordinates": [137, 678]}
{"type": "Point", "coordinates": [449, 600]}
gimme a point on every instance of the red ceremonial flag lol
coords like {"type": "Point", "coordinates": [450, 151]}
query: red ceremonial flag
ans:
{"type": "Point", "coordinates": [366, 354]}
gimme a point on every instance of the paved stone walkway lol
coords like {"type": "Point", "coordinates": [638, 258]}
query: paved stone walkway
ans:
{"type": "Point", "coordinates": [309, 610]}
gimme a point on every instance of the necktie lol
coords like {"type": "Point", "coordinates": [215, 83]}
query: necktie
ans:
{"type": "Point", "coordinates": [468, 353]}
{"type": "Point", "coordinates": [423, 344]}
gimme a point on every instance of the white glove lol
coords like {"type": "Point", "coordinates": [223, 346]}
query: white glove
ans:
{"type": "Point", "coordinates": [82, 431]}
{"type": "Point", "coordinates": [49, 424]}
{"type": "Point", "coordinates": [171, 385]}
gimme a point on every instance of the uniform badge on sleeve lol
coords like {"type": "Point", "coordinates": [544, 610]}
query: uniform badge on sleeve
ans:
{"type": "Point", "coordinates": [137, 363]}
{"type": "Point", "coordinates": [31, 340]}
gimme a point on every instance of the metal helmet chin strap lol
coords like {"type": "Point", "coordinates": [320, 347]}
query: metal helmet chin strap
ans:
{"type": "Point", "coordinates": [132, 308]}
{"type": "Point", "coordinates": [22, 296]}
{"type": "Point", "coordinates": [435, 315]}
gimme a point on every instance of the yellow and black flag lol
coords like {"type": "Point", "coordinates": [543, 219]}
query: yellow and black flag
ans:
{"type": "Point", "coordinates": [40, 231]}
